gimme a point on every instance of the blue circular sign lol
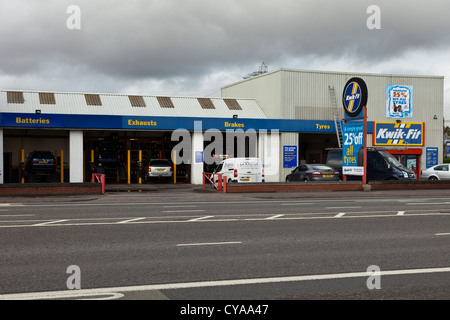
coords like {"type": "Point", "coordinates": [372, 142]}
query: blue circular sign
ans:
{"type": "Point", "coordinates": [354, 97]}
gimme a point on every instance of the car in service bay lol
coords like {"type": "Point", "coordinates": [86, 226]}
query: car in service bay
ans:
{"type": "Point", "coordinates": [41, 162]}
{"type": "Point", "coordinates": [109, 158]}
{"type": "Point", "coordinates": [313, 172]}
{"type": "Point", "coordinates": [437, 172]}
{"type": "Point", "coordinates": [40, 166]}
{"type": "Point", "coordinates": [159, 169]}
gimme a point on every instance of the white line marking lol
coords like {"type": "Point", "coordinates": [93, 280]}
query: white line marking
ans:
{"type": "Point", "coordinates": [442, 234]}
{"type": "Point", "coordinates": [131, 220]}
{"type": "Point", "coordinates": [339, 215]}
{"type": "Point", "coordinates": [150, 220]}
{"type": "Point", "coordinates": [426, 203]}
{"type": "Point", "coordinates": [400, 213]}
{"type": "Point", "coordinates": [223, 220]}
{"type": "Point", "coordinates": [110, 296]}
{"type": "Point", "coordinates": [201, 218]}
{"type": "Point", "coordinates": [203, 284]}
{"type": "Point", "coordinates": [47, 223]}
{"type": "Point", "coordinates": [207, 244]}
{"type": "Point", "coordinates": [179, 206]}
{"type": "Point", "coordinates": [274, 217]}
{"type": "Point", "coordinates": [16, 215]}
{"type": "Point", "coordinates": [178, 211]}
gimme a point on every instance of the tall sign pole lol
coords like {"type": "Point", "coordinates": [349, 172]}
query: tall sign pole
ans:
{"type": "Point", "coordinates": [354, 100]}
{"type": "Point", "coordinates": [364, 178]}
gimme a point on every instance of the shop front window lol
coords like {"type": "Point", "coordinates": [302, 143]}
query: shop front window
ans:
{"type": "Point", "coordinates": [411, 162]}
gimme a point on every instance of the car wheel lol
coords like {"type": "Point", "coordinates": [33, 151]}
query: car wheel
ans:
{"type": "Point", "coordinates": [288, 180]}
{"type": "Point", "coordinates": [433, 178]}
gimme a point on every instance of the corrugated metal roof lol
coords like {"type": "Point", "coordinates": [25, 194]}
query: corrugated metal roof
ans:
{"type": "Point", "coordinates": [115, 104]}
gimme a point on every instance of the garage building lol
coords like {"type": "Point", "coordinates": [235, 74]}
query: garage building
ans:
{"type": "Point", "coordinates": [317, 95]}
{"type": "Point", "coordinates": [76, 127]}
{"type": "Point", "coordinates": [293, 115]}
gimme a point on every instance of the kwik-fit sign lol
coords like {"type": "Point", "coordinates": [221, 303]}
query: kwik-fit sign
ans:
{"type": "Point", "coordinates": [398, 134]}
{"type": "Point", "coordinates": [354, 100]}
{"type": "Point", "coordinates": [354, 97]}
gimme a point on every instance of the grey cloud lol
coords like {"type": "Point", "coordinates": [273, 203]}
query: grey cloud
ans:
{"type": "Point", "coordinates": [160, 39]}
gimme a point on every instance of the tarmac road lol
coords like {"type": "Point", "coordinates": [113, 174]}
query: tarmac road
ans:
{"type": "Point", "coordinates": [172, 242]}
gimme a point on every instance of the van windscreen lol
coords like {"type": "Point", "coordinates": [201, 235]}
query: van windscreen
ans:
{"type": "Point", "coordinates": [391, 159]}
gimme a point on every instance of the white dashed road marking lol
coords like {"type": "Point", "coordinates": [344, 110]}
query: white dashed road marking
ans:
{"type": "Point", "coordinates": [181, 211]}
{"type": "Point", "coordinates": [201, 218]}
{"type": "Point", "coordinates": [207, 244]}
{"type": "Point", "coordinates": [131, 220]}
{"type": "Point", "coordinates": [49, 222]}
{"type": "Point", "coordinates": [274, 217]}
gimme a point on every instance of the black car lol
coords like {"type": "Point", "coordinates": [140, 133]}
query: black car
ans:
{"type": "Point", "coordinates": [40, 162]}
{"type": "Point", "coordinates": [313, 172]}
{"type": "Point", "coordinates": [40, 166]}
{"type": "Point", "coordinates": [109, 158]}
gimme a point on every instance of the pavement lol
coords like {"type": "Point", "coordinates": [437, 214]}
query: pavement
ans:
{"type": "Point", "coordinates": [155, 192]}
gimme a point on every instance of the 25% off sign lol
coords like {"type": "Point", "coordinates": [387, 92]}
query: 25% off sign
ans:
{"type": "Point", "coordinates": [353, 142]}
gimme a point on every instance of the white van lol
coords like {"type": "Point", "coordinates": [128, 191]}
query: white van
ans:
{"type": "Point", "coordinates": [241, 170]}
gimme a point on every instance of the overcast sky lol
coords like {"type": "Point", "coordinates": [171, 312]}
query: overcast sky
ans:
{"type": "Point", "coordinates": [194, 47]}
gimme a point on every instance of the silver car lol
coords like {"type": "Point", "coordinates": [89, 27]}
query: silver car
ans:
{"type": "Point", "coordinates": [438, 172]}
{"type": "Point", "coordinates": [159, 168]}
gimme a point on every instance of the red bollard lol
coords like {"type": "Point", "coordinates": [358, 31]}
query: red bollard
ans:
{"type": "Point", "coordinates": [100, 178]}
{"type": "Point", "coordinates": [103, 181]}
{"type": "Point", "coordinates": [203, 180]}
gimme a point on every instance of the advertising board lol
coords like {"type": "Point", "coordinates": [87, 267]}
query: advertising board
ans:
{"type": "Point", "coordinates": [399, 102]}
{"type": "Point", "coordinates": [289, 156]}
{"type": "Point", "coordinates": [398, 134]}
{"type": "Point", "coordinates": [353, 140]}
